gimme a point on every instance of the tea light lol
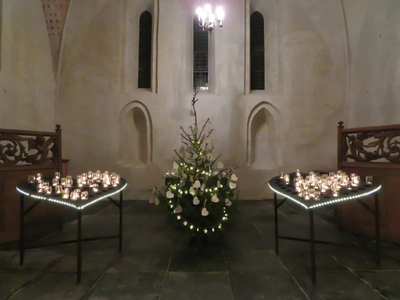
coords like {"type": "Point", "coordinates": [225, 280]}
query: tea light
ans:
{"type": "Point", "coordinates": [286, 178]}
{"type": "Point", "coordinates": [39, 176]}
{"type": "Point", "coordinates": [58, 189]}
{"type": "Point", "coordinates": [69, 182]}
{"type": "Point", "coordinates": [55, 181]}
{"type": "Point", "coordinates": [85, 195]}
{"type": "Point", "coordinates": [39, 187]}
{"type": "Point", "coordinates": [31, 179]}
{"type": "Point", "coordinates": [95, 187]}
{"type": "Point", "coordinates": [47, 190]}
{"type": "Point", "coordinates": [57, 175]}
{"type": "Point", "coordinates": [368, 180]}
{"type": "Point", "coordinates": [65, 193]}
{"type": "Point", "coordinates": [75, 194]}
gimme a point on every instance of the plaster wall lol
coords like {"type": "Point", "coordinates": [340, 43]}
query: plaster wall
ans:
{"type": "Point", "coordinates": [27, 84]}
{"type": "Point", "coordinates": [290, 125]}
{"type": "Point", "coordinates": [374, 43]}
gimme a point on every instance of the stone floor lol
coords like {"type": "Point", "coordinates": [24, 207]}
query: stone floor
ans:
{"type": "Point", "coordinates": [158, 262]}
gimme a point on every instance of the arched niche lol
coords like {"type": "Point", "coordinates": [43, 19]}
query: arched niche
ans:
{"type": "Point", "coordinates": [136, 145]}
{"type": "Point", "coordinates": [264, 143]}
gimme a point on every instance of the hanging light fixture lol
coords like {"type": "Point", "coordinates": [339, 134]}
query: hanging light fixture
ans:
{"type": "Point", "coordinates": [208, 19]}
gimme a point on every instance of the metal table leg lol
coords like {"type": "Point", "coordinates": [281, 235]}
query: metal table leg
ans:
{"type": "Point", "coordinates": [120, 221]}
{"type": "Point", "coordinates": [276, 225]}
{"type": "Point", "coordinates": [377, 231]}
{"type": "Point", "coordinates": [312, 248]}
{"type": "Point", "coordinates": [79, 248]}
{"type": "Point", "coordinates": [21, 230]}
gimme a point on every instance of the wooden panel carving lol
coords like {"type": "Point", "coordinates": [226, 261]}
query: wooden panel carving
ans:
{"type": "Point", "coordinates": [372, 151]}
{"type": "Point", "coordinates": [370, 144]}
{"type": "Point", "coordinates": [24, 153]}
{"type": "Point", "coordinates": [16, 149]}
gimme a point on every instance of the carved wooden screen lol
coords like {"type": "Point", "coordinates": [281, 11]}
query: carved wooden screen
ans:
{"type": "Point", "coordinates": [369, 144]}
{"type": "Point", "coordinates": [372, 151]}
{"type": "Point", "coordinates": [24, 153]}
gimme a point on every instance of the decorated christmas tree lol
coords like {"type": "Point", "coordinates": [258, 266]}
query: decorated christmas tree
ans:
{"type": "Point", "coordinates": [199, 191]}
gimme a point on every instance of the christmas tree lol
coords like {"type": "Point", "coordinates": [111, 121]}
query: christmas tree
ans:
{"type": "Point", "coordinates": [199, 192]}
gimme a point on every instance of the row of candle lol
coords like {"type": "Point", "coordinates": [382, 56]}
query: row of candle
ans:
{"type": "Point", "coordinates": [312, 186]}
{"type": "Point", "coordinates": [63, 185]}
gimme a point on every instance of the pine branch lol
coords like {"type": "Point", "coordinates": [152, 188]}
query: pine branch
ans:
{"type": "Point", "coordinates": [205, 123]}
{"type": "Point", "coordinates": [176, 152]}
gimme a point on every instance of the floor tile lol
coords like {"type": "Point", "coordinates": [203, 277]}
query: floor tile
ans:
{"type": "Point", "coordinates": [60, 286]}
{"type": "Point", "coordinates": [128, 286]}
{"type": "Point", "coordinates": [335, 286]}
{"type": "Point", "coordinates": [254, 261]}
{"type": "Point", "coordinates": [200, 260]}
{"type": "Point", "coordinates": [197, 286]}
{"type": "Point", "coordinates": [265, 285]}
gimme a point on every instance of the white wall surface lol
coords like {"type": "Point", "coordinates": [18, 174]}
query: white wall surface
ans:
{"type": "Point", "coordinates": [27, 84]}
{"type": "Point", "coordinates": [374, 39]}
{"type": "Point", "coordinates": [324, 62]}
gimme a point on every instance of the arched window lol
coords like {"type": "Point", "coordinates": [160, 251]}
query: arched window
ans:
{"type": "Point", "coordinates": [257, 66]}
{"type": "Point", "coordinates": [144, 79]}
{"type": "Point", "coordinates": [200, 57]}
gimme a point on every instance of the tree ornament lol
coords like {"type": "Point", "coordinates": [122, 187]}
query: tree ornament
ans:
{"type": "Point", "coordinates": [192, 191]}
{"type": "Point", "coordinates": [196, 201]}
{"type": "Point", "coordinates": [214, 198]}
{"type": "Point", "coordinates": [196, 184]}
{"type": "Point", "coordinates": [178, 209]}
{"type": "Point", "coordinates": [170, 195]}
{"type": "Point", "coordinates": [204, 212]}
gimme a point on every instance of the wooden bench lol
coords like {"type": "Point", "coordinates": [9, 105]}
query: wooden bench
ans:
{"type": "Point", "coordinates": [372, 151]}
{"type": "Point", "coordinates": [24, 153]}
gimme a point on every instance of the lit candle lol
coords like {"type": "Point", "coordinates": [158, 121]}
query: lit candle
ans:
{"type": "Point", "coordinates": [85, 195]}
{"type": "Point", "coordinates": [31, 178]}
{"type": "Point", "coordinates": [65, 193]}
{"type": "Point", "coordinates": [48, 189]}
{"type": "Point", "coordinates": [55, 181]}
{"type": "Point", "coordinates": [58, 189]}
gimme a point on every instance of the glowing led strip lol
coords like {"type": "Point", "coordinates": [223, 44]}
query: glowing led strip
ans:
{"type": "Point", "coordinates": [67, 203]}
{"type": "Point", "coordinates": [327, 202]}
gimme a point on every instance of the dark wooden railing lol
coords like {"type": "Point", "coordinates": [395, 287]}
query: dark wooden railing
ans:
{"type": "Point", "coordinates": [372, 151]}
{"type": "Point", "coordinates": [24, 153]}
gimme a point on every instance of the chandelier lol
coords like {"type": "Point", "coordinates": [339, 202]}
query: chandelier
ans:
{"type": "Point", "coordinates": [208, 19]}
